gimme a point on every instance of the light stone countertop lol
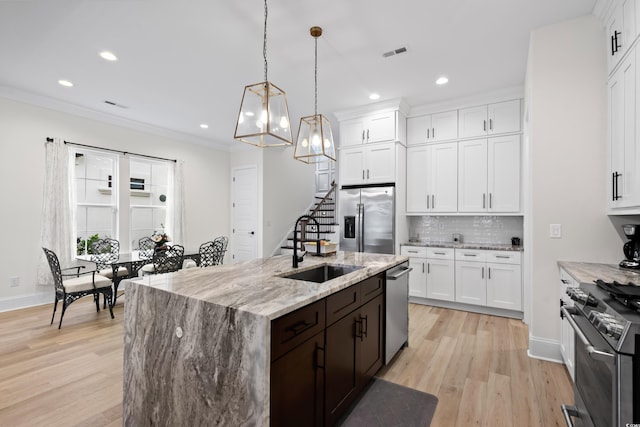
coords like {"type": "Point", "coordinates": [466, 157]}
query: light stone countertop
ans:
{"type": "Point", "coordinates": [586, 272]}
{"type": "Point", "coordinates": [257, 288]}
{"type": "Point", "coordinates": [452, 245]}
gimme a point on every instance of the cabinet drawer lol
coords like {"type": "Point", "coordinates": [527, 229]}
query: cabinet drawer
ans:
{"type": "Point", "coordinates": [504, 257]}
{"type": "Point", "coordinates": [440, 253]}
{"type": "Point", "coordinates": [371, 288]}
{"type": "Point", "coordinates": [471, 255]}
{"type": "Point", "coordinates": [294, 328]}
{"type": "Point", "coordinates": [414, 251]}
{"type": "Point", "coordinates": [342, 303]}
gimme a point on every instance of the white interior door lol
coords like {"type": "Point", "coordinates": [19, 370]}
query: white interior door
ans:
{"type": "Point", "coordinates": [244, 213]}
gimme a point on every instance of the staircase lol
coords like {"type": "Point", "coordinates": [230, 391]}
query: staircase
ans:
{"type": "Point", "coordinates": [324, 211]}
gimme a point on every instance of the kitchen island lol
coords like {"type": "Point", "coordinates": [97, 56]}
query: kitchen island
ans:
{"type": "Point", "coordinates": [198, 341]}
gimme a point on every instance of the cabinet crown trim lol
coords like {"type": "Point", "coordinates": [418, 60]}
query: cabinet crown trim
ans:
{"type": "Point", "coordinates": [397, 104]}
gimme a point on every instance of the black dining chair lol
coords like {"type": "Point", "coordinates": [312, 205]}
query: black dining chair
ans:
{"type": "Point", "coordinates": [212, 253]}
{"type": "Point", "coordinates": [72, 286]}
{"type": "Point", "coordinates": [103, 253]}
{"type": "Point", "coordinates": [165, 261]}
{"type": "Point", "coordinates": [146, 248]}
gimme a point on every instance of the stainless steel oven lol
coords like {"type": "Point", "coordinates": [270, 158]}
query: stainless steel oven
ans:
{"type": "Point", "coordinates": [607, 371]}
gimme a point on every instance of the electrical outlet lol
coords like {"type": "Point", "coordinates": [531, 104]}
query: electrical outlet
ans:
{"type": "Point", "coordinates": [555, 231]}
{"type": "Point", "coordinates": [14, 282]}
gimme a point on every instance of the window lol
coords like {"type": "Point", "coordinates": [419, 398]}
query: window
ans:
{"type": "Point", "coordinates": [96, 205]}
{"type": "Point", "coordinates": [99, 210]}
{"type": "Point", "coordinates": [149, 182]}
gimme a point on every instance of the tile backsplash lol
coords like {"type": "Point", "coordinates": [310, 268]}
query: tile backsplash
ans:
{"type": "Point", "coordinates": [474, 229]}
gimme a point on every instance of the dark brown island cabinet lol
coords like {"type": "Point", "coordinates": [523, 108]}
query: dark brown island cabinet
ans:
{"type": "Point", "coordinates": [323, 355]}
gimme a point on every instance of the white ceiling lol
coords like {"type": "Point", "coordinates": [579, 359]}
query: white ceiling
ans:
{"type": "Point", "coordinates": [183, 63]}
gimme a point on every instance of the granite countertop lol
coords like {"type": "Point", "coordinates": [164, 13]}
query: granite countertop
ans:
{"type": "Point", "coordinates": [586, 272]}
{"type": "Point", "coordinates": [452, 245]}
{"type": "Point", "coordinates": [257, 286]}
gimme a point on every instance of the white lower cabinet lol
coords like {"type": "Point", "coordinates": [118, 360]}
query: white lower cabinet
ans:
{"type": "Point", "coordinates": [489, 278]}
{"type": "Point", "coordinates": [418, 276]}
{"type": "Point", "coordinates": [470, 276]}
{"type": "Point", "coordinates": [567, 341]}
{"type": "Point", "coordinates": [441, 278]}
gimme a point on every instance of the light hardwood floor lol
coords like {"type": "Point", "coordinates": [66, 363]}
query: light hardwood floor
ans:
{"type": "Point", "coordinates": [475, 364]}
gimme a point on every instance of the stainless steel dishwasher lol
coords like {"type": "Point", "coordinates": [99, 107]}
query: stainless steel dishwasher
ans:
{"type": "Point", "coordinates": [397, 302]}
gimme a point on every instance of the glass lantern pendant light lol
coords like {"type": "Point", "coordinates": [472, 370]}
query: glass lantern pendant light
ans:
{"type": "Point", "coordinates": [263, 120]}
{"type": "Point", "coordinates": [314, 143]}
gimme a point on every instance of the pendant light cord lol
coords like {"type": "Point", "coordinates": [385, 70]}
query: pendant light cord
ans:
{"type": "Point", "coordinates": [316, 76]}
{"type": "Point", "coordinates": [264, 41]}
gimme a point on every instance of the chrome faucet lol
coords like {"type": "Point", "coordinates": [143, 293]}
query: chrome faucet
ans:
{"type": "Point", "coordinates": [303, 219]}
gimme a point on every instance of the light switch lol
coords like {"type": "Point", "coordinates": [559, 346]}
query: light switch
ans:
{"type": "Point", "coordinates": [555, 231]}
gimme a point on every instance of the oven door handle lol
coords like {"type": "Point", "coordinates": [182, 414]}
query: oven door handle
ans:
{"type": "Point", "coordinates": [568, 412]}
{"type": "Point", "coordinates": [591, 350]}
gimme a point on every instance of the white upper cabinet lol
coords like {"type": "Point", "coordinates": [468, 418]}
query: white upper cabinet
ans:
{"type": "Point", "coordinates": [489, 175]}
{"type": "Point", "coordinates": [367, 164]}
{"type": "Point", "coordinates": [432, 178]}
{"type": "Point", "coordinates": [492, 119]}
{"type": "Point", "coordinates": [622, 29]}
{"type": "Point", "coordinates": [432, 128]}
{"type": "Point", "coordinates": [379, 127]}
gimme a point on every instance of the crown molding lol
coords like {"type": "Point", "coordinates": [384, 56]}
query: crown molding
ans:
{"type": "Point", "coordinates": [87, 113]}
{"type": "Point", "coordinates": [396, 104]}
{"type": "Point", "coordinates": [506, 94]}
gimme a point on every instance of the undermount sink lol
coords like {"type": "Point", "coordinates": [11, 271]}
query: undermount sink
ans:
{"type": "Point", "coordinates": [323, 273]}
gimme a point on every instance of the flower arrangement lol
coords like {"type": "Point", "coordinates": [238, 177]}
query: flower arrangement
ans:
{"type": "Point", "coordinates": [160, 238]}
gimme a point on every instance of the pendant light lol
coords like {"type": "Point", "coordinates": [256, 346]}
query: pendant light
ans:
{"type": "Point", "coordinates": [314, 143]}
{"type": "Point", "coordinates": [263, 119]}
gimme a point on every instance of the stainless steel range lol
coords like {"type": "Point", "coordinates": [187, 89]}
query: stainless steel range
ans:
{"type": "Point", "coordinates": [606, 319]}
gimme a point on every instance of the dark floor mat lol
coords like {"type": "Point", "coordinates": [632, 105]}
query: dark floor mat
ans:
{"type": "Point", "coordinates": [389, 405]}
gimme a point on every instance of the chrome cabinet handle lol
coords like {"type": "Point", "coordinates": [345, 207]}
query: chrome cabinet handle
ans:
{"type": "Point", "coordinates": [428, 201]}
{"type": "Point", "coordinates": [484, 125]}
{"type": "Point", "coordinates": [503, 256]}
{"type": "Point", "coordinates": [367, 135]}
{"type": "Point", "coordinates": [433, 132]}
{"type": "Point", "coordinates": [483, 272]}
{"type": "Point", "coordinates": [412, 252]}
{"type": "Point", "coordinates": [490, 202]}
{"type": "Point", "coordinates": [423, 267]}
{"type": "Point", "coordinates": [428, 133]}
{"type": "Point", "coordinates": [362, 173]}
{"type": "Point", "coordinates": [439, 253]}
{"type": "Point", "coordinates": [433, 201]}
{"type": "Point", "coordinates": [489, 268]}
{"type": "Point", "coordinates": [428, 268]}
{"type": "Point", "coordinates": [490, 124]}
{"type": "Point", "coordinates": [484, 200]}
{"type": "Point", "coordinates": [367, 173]}
{"type": "Point", "coordinates": [362, 135]}
{"type": "Point", "coordinates": [470, 254]}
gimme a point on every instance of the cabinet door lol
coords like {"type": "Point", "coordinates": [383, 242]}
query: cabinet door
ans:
{"type": "Point", "coordinates": [351, 165]}
{"type": "Point", "coordinates": [504, 286]}
{"type": "Point", "coordinates": [380, 163]}
{"type": "Point", "coordinates": [472, 176]}
{"type": "Point", "coordinates": [341, 366]}
{"type": "Point", "coordinates": [418, 277]}
{"type": "Point", "coordinates": [371, 341]}
{"type": "Point", "coordinates": [471, 283]}
{"type": "Point", "coordinates": [472, 121]}
{"type": "Point", "coordinates": [504, 117]}
{"type": "Point", "coordinates": [440, 279]}
{"type": "Point", "coordinates": [622, 128]}
{"type": "Point", "coordinates": [418, 130]}
{"type": "Point", "coordinates": [297, 385]}
{"type": "Point", "coordinates": [443, 177]}
{"type": "Point", "coordinates": [417, 178]}
{"type": "Point", "coordinates": [352, 132]}
{"type": "Point", "coordinates": [503, 175]}
{"type": "Point", "coordinates": [381, 127]}
{"type": "Point", "coordinates": [444, 126]}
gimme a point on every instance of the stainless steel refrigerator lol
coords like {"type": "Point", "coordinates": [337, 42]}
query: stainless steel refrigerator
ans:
{"type": "Point", "coordinates": [367, 219]}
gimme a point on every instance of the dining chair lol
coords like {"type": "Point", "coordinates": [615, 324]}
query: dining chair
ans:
{"type": "Point", "coordinates": [103, 253]}
{"type": "Point", "coordinates": [76, 285]}
{"type": "Point", "coordinates": [146, 248]}
{"type": "Point", "coordinates": [165, 261]}
{"type": "Point", "coordinates": [212, 253]}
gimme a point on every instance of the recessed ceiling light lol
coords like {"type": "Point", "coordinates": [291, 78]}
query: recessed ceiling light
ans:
{"type": "Point", "coordinates": [442, 81]}
{"type": "Point", "coordinates": [65, 83]}
{"type": "Point", "coordinates": [374, 96]}
{"type": "Point", "coordinates": [108, 56]}
{"type": "Point", "coordinates": [204, 126]}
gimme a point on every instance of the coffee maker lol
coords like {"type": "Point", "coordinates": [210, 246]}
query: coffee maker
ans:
{"type": "Point", "coordinates": [632, 247]}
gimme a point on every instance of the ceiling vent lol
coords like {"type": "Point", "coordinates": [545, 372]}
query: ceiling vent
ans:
{"type": "Point", "coordinates": [114, 104]}
{"type": "Point", "coordinates": [397, 51]}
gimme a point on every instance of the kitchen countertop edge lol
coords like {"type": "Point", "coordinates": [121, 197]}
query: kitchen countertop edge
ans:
{"type": "Point", "coordinates": [482, 246]}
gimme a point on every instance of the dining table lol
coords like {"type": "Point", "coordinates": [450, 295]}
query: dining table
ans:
{"type": "Point", "coordinates": [133, 262]}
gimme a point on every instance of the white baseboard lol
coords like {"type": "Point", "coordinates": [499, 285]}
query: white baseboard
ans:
{"type": "Point", "coordinates": [24, 301]}
{"type": "Point", "coordinates": [544, 349]}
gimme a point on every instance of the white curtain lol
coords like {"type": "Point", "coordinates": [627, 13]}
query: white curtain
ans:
{"type": "Point", "coordinates": [176, 208]}
{"type": "Point", "coordinates": [56, 228]}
